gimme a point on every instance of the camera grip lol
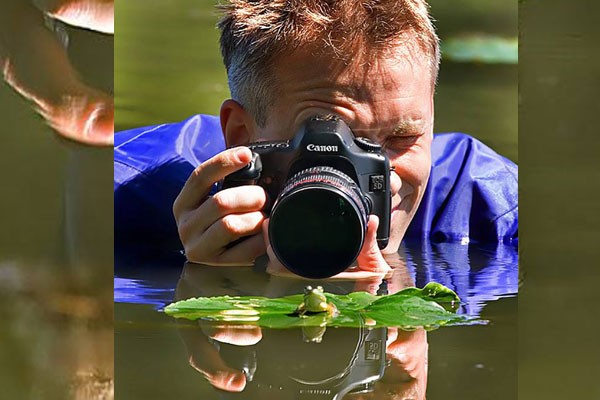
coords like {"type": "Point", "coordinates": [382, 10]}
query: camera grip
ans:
{"type": "Point", "coordinates": [383, 230]}
{"type": "Point", "coordinates": [246, 176]}
{"type": "Point", "coordinates": [382, 243]}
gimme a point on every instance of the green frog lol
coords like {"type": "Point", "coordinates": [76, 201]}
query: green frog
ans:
{"type": "Point", "coordinates": [315, 302]}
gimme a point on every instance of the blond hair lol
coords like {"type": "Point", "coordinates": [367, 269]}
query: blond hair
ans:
{"type": "Point", "coordinates": [254, 33]}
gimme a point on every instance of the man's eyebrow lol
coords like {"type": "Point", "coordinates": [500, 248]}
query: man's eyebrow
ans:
{"type": "Point", "coordinates": [408, 128]}
{"type": "Point", "coordinates": [404, 127]}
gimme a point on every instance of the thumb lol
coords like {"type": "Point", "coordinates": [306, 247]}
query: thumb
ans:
{"type": "Point", "coordinates": [274, 267]}
{"type": "Point", "coordinates": [99, 126]}
{"type": "Point", "coordinates": [370, 257]}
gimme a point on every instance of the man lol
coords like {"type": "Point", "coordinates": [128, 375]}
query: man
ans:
{"type": "Point", "coordinates": [374, 64]}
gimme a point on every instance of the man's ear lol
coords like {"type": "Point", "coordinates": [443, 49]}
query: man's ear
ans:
{"type": "Point", "coordinates": [237, 124]}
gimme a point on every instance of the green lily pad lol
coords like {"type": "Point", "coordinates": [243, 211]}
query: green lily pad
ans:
{"type": "Point", "coordinates": [481, 48]}
{"type": "Point", "coordinates": [429, 307]}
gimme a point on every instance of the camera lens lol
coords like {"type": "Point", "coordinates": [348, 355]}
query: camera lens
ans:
{"type": "Point", "coordinates": [318, 222]}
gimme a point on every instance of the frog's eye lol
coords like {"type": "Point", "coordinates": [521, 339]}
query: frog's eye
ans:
{"type": "Point", "coordinates": [308, 289]}
{"type": "Point", "coordinates": [320, 288]}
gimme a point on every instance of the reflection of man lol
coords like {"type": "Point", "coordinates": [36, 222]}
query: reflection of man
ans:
{"type": "Point", "coordinates": [36, 65]}
{"type": "Point", "coordinates": [238, 358]}
{"type": "Point", "coordinates": [372, 63]}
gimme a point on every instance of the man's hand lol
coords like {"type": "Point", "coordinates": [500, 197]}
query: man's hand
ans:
{"type": "Point", "coordinates": [97, 15]}
{"type": "Point", "coordinates": [208, 226]}
{"type": "Point", "coordinates": [370, 257]}
{"type": "Point", "coordinates": [207, 360]}
{"type": "Point", "coordinates": [35, 64]}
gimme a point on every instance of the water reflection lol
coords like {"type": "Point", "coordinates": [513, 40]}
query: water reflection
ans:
{"type": "Point", "coordinates": [288, 363]}
{"type": "Point", "coordinates": [251, 362]}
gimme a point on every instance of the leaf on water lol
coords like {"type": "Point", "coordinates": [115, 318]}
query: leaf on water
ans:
{"type": "Point", "coordinates": [481, 48]}
{"type": "Point", "coordinates": [411, 312]}
{"type": "Point", "coordinates": [408, 309]}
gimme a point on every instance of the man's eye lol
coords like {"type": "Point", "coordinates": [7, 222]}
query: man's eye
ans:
{"type": "Point", "coordinates": [395, 142]}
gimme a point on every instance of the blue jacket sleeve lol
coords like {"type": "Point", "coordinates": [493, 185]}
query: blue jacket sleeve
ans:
{"type": "Point", "coordinates": [471, 195]}
{"type": "Point", "coordinates": [151, 165]}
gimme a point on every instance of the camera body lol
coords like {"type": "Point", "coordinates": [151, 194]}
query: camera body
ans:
{"type": "Point", "coordinates": [323, 156]}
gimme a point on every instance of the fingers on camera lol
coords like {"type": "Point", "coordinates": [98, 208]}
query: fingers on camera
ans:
{"type": "Point", "coordinates": [237, 200]}
{"type": "Point", "coordinates": [206, 174]}
{"type": "Point", "coordinates": [370, 257]}
{"type": "Point", "coordinates": [209, 226]}
{"type": "Point", "coordinates": [212, 247]}
{"type": "Point", "coordinates": [242, 253]}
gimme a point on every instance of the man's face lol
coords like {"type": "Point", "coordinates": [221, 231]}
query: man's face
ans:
{"type": "Point", "coordinates": [390, 103]}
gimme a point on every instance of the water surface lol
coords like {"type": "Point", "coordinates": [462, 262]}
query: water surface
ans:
{"type": "Point", "coordinates": [469, 362]}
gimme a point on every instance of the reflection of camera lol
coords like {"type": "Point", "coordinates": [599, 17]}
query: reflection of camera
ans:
{"type": "Point", "coordinates": [326, 182]}
{"type": "Point", "coordinates": [282, 365]}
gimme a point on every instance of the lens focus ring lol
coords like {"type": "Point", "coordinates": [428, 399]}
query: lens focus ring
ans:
{"type": "Point", "coordinates": [328, 176]}
{"type": "Point", "coordinates": [318, 222]}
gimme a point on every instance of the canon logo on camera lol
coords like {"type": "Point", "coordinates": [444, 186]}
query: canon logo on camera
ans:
{"type": "Point", "coordinates": [320, 147]}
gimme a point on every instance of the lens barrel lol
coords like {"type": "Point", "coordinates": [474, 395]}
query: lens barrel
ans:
{"type": "Point", "coordinates": [318, 222]}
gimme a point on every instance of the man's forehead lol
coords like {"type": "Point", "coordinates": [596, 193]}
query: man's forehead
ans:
{"type": "Point", "coordinates": [401, 81]}
{"type": "Point", "coordinates": [394, 96]}
{"type": "Point", "coordinates": [352, 67]}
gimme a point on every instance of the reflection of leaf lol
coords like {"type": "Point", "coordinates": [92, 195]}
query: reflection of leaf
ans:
{"type": "Point", "coordinates": [409, 309]}
{"type": "Point", "coordinates": [481, 48]}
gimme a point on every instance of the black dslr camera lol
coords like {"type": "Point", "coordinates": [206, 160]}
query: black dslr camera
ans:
{"type": "Point", "coordinates": [325, 183]}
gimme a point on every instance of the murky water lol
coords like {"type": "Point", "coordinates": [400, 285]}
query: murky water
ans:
{"type": "Point", "coordinates": [559, 76]}
{"type": "Point", "coordinates": [56, 337]}
{"type": "Point", "coordinates": [170, 73]}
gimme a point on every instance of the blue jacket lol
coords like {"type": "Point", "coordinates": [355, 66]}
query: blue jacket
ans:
{"type": "Point", "coordinates": [471, 195]}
